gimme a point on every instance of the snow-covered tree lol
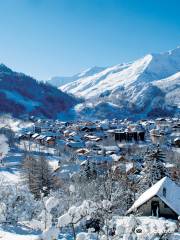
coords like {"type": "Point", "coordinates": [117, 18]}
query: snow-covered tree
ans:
{"type": "Point", "coordinates": [154, 169]}
{"type": "Point", "coordinates": [46, 215]}
{"type": "Point", "coordinates": [4, 147]}
{"type": "Point", "coordinates": [106, 186]}
{"type": "Point", "coordinates": [87, 210]}
{"type": "Point", "coordinates": [17, 203]}
{"type": "Point", "coordinates": [88, 171]}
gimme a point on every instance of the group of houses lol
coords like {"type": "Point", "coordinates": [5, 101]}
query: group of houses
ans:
{"type": "Point", "coordinates": [76, 134]}
{"type": "Point", "coordinates": [105, 144]}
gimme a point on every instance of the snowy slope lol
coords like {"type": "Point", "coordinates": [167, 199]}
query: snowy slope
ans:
{"type": "Point", "coordinates": [94, 85]}
{"type": "Point", "coordinates": [146, 87]}
{"type": "Point", "coordinates": [22, 95]}
{"type": "Point", "coordinates": [147, 69]}
{"type": "Point", "coordinates": [171, 87]}
{"type": "Point", "coordinates": [60, 81]}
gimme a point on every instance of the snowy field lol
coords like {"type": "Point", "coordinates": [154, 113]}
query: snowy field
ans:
{"type": "Point", "coordinates": [10, 169]}
{"type": "Point", "coordinates": [19, 232]}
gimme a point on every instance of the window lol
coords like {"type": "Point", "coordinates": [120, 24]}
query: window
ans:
{"type": "Point", "coordinates": [164, 192]}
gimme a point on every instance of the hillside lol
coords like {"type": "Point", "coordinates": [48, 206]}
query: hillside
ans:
{"type": "Point", "coordinates": [145, 87]}
{"type": "Point", "coordinates": [22, 95]}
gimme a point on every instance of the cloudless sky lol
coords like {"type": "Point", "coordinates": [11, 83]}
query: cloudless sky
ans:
{"type": "Point", "coordinates": [46, 38]}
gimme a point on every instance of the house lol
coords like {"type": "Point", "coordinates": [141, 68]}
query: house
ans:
{"type": "Point", "coordinates": [89, 128]}
{"type": "Point", "coordinates": [118, 158]}
{"type": "Point", "coordinates": [82, 151]}
{"type": "Point", "coordinates": [35, 135]}
{"type": "Point", "coordinates": [40, 138]}
{"type": "Point", "coordinates": [25, 136]}
{"type": "Point", "coordinates": [50, 141]}
{"type": "Point", "coordinates": [160, 200]}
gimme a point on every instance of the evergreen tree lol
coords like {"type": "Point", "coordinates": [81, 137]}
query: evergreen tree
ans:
{"type": "Point", "coordinates": [89, 171]}
{"type": "Point", "coordinates": [154, 169]}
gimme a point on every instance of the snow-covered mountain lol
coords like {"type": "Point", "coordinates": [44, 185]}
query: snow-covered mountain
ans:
{"type": "Point", "coordinates": [171, 87]}
{"type": "Point", "coordinates": [147, 69]}
{"type": "Point", "coordinates": [22, 95]}
{"type": "Point", "coordinates": [60, 81]}
{"type": "Point", "coordinates": [148, 86]}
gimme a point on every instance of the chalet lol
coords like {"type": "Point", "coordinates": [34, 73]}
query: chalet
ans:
{"type": "Point", "coordinates": [110, 150]}
{"type": "Point", "coordinates": [67, 133]}
{"type": "Point", "coordinates": [40, 139]}
{"type": "Point", "coordinates": [35, 135]}
{"type": "Point", "coordinates": [118, 158]}
{"type": "Point", "coordinates": [176, 128]}
{"type": "Point", "coordinates": [25, 136]}
{"type": "Point", "coordinates": [82, 151]}
{"type": "Point", "coordinates": [161, 200]}
{"type": "Point", "coordinates": [92, 138]}
{"type": "Point", "coordinates": [160, 120]}
{"type": "Point", "coordinates": [89, 128]}
{"type": "Point", "coordinates": [50, 141]}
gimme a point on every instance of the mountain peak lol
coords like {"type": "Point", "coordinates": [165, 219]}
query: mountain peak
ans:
{"type": "Point", "coordinates": [175, 52]}
{"type": "Point", "coordinates": [91, 71]}
{"type": "Point", "coordinates": [5, 69]}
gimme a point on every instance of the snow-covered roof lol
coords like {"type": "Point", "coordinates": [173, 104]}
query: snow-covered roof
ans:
{"type": "Point", "coordinates": [117, 158]}
{"type": "Point", "coordinates": [35, 135]}
{"type": "Point", "coordinates": [111, 148]}
{"type": "Point", "coordinates": [40, 137]}
{"type": "Point", "coordinates": [172, 198]}
{"type": "Point", "coordinates": [49, 138]}
{"type": "Point", "coordinates": [75, 144]}
{"type": "Point", "coordinates": [177, 139]}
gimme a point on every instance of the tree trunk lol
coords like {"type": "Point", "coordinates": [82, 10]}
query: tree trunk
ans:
{"type": "Point", "coordinates": [73, 229]}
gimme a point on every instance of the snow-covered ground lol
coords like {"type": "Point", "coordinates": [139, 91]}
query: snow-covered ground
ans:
{"type": "Point", "coordinates": [15, 125]}
{"type": "Point", "coordinates": [146, 227]}
{"type": "Point", "coordinates": [19, 232]}
{"type": "Point", "coordinates": [10, 170]}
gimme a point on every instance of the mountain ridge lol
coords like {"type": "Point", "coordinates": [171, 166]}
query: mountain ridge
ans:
{"type": "Point", "coordinates": [23, 95]}
{"type": "Point", "coordinates": [133, 84]}
{"type": "Point", "coordinates": [61, 80]}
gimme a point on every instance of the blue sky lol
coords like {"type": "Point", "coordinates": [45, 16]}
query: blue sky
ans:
{"type": "Point", "coordinates": [45, 38]}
